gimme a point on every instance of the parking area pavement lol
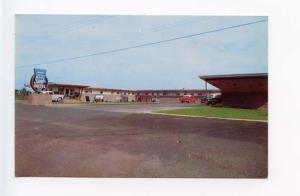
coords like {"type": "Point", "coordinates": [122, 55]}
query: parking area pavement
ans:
{"type": "Point", "coordinates": [125, 141]}
{"type": "Point", "coordinates": [127, 108]}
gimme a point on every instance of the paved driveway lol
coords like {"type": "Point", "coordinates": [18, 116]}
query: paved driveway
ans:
{"type": "Point", "coordinates": [123, 141]}
{"type": "Point", "coordinates": [127, 108]}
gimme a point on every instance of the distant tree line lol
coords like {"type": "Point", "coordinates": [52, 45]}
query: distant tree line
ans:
{"type": "Point", "coordinates": [20, 94]}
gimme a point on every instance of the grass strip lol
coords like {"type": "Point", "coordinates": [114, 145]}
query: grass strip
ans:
{"type": "Point", "coordinates": [220, 112]}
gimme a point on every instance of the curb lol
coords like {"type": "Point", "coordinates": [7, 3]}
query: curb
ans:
{"type": "Point", "coordinates": [220, 118]}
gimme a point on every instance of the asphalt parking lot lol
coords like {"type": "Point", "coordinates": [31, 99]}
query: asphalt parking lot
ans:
{"type": "Point", "coordinates": [126, 141]}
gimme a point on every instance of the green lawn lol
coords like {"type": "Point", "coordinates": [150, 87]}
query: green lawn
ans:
{"type": "Point", "coordinates": [19, 97]}
{"type": "Point", "coordinates": [220, 112]}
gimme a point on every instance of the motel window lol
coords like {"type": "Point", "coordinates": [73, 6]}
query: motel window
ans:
{"type": "Point", "coordinates": [164, 93]}
{"type": "Point", "coordinates": [199, 93]}
{"type": "Point", "coordinates": [185, 93]}
{"type": "Point", "coordinates": [177, 93]}
{"type": "Point", "coordinates": [146, 93]}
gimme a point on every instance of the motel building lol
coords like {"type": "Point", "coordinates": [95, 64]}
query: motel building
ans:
{"type": "Point", "coordinates": [109, 94]}
{"type": "Point", "coordinates": [87, 94]}
{"type": "Point", "coordinates": [237, 90]}
{"type": "Point", "coordinates": [171, 95]}
{"type": "Point", "coordinates": [72, 91]}
{"type": "Point", "coordinates": [241, 90]}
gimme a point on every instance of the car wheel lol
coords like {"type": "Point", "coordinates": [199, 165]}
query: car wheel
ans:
{"type": "Point", "coordinates": [59, 100]}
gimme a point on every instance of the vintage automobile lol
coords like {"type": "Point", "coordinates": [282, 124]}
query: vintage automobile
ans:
{"type": "Point", "coordinates": [99, 98]}
{"type": "Point", "coordinates": [213, 99]}
{"type": "Point", "coordinates": [188, 99]}
{"type": "Point", "coordinates": [54, 96]}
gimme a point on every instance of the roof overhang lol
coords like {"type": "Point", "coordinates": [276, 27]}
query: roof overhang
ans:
{"type": "Point", "coordinates": [257, 82]}
{"type": "Point", "coordinates": [234, 76]}
{"type": "Point", "coordinates": [67, 85]}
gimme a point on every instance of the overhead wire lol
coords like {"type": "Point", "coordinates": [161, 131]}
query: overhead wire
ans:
{"type": "Point", "coordinates": [142, 45]}
{"type": "Point", "coordinates": [144, 32]}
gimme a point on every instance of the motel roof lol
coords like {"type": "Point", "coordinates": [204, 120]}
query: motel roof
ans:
{"type": "Point", "coordinates": [236, 76]}
{"type": "Point", "coordinates": [177, 90]}
{"type": "Point", "coordinates": [67, 85]}
{"type": "Point", "coordinates": [86, 87]}
{"type": "Point", "coordinates": [257, 82]}
{"type": "Point", "coordinates": [107, 89]}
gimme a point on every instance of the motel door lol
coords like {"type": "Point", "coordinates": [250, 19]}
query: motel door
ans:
{"type": "Point", "coordinates": [67, 92]}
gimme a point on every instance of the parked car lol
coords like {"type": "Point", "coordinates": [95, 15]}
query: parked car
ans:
{"type": "Point", "coordinates": [203, 99]}
{"type": "Point", "coordinates": [188, 99]}
{"type": "Point", "coordinates": [213, 99]}
{"type": "Point", "coordinates": [124, 98]}
{"type": "Point", "coordinates": [155, 100]}
{"type": "Point", "coordinates": [54, 96]}
{"type": "Point", "coordinates": [99, 98]}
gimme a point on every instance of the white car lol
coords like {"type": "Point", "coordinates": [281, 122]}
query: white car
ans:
{"type": "Point", "coordinates": [99, 98]}
{"type": "Point", "coordinates": [54, 97]}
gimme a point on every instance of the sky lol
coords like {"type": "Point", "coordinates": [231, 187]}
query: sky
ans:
{"type": "Point", "coordinates": [170, 65]}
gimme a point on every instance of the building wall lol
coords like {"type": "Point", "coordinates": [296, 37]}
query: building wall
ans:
{"type": "Point", "coordinates": [107, 97]}
{"type": "Point", "coordinates": [250, 100]}
{"type": "Point", "coordinates": [39, 99]}
{"type": "Point", "coordinates": [72, 91]}
{"type": "Point", "coordinates": [131, 98]}
{"type": "Point", "coordinates": [112, 97]}
{"type": "Point", "coordinates": [84, 95]}
{"type": "Point", "coordinates": [169, 99]}
{"type": "Point", "coordinates": [242, 92]}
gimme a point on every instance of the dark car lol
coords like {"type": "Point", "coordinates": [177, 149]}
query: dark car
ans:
{"type": "Point", "coordinates": [213, 99]}
{"type": "Point", "coordinates": [203, 99]}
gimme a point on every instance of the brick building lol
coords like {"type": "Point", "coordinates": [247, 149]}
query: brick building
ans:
{"type": "Point", "coordinates": [87, 94]}
{"type": "Point", "coordinates": [241, 90]}
{"type": "Point", "coordinates": [109, 94]}
{"type": "Point", "coordinates": [68, 90]}
{"type": "Point", "coordinates": [170, 95]}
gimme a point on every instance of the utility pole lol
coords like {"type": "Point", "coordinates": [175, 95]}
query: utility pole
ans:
{"type": "Point", "coordinates": [206, 89]}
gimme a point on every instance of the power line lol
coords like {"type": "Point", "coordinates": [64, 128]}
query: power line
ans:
{"type": "Point", "coordinates": [146, 31]}
{"type": "Point", "coordinates": [142, 45]}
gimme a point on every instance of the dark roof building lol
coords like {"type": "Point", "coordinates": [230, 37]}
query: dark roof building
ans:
{"type": "Point", "coordinates": [241, 90]}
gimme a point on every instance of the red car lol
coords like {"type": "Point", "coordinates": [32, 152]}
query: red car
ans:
{"type": "Point", "coordinates": [188, 99]}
